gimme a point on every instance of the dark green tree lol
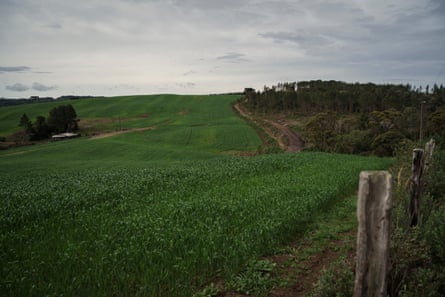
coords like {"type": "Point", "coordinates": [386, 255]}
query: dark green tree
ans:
{"type": "Point", "coordinates": [355, 142]}
{"type": "Point", "coordinates": [63, 118]}
{"type": "Point", "coordinates": [436, 126]}
{"type": "Point", "coordinates": [25, 123]}
{"type": "Point", "coordinates": [40, 129]}
{"type": "Point", "coordinates": [28, 129]}
{"type": "Point", "coordinates": [386, 143]}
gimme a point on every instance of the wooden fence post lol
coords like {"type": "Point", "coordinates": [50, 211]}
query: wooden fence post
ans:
{"type": "Point", "coordinates": [416, 186]}
{"type": "Point", "coordinates": [374, 221]}
{"type": "Point", "coordinates": [428, 155]}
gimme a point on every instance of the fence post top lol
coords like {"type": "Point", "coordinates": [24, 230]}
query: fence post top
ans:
{"type": "Point", "coordinates": [366, 174]}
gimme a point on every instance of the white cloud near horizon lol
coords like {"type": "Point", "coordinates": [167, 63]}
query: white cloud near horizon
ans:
{"type": "Point", "coordinates": [14, 69]}
{"type": "Point", "coordinates": [42, 88]}
{"type": "Point", "coordinates": [99, 47]}
{"type": "Point", "coordinates": [19, 87]}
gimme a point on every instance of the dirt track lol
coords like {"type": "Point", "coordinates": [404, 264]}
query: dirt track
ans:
{"type": "Point", "coordinates": [109, 134]}
{"type": "Point", "coordinates": [294, 141]}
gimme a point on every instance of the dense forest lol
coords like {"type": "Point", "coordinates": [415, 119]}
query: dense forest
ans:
{"type": "Point", "coordinates": [317, 95]}
{"type": "Point", "coordinates": [354, 117]}
{"type": "Point", "coordinates": [383, 120]}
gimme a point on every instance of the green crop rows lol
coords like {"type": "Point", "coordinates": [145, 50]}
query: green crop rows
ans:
{"type": "Point", "coordinates": [164, 230]}
{"type": "Point", "coordinates": [134, 111]}
{"type": "Point", "coordinates": [158, 212]}
{"type": "Point", "coordinates": [183, 128]}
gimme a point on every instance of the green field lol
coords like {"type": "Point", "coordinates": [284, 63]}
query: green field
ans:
{"type": "Point", "coordinates": [184, 128]}
{"type": "Point", "coordinates": [155, 213]}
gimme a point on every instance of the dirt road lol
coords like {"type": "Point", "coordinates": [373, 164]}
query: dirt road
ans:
{"type": "Point", "coordinates": [293, 142]}
{"type": "Point", "coordinates": [109, 134]}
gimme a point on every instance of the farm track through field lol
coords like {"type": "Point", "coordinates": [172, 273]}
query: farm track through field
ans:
{"type": "Point", "coordinates": [309, 270]}
{"type": "Point", "coordinates": [287, 139]}
{"type": "Point", "coordinates": [114, 133]}
{"type": "Point", "coordinates": [300, 265]}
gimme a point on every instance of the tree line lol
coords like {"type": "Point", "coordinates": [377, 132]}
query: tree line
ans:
{"type": "Point", "coordinates": [356, 118]}
{"type": "Point", "coordinates": [337, 96]}
{"type": "Point", "coordinates": [62, 118]}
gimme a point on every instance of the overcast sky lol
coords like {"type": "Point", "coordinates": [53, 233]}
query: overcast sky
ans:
{"type": "Point", "coordinates": [120, 47]}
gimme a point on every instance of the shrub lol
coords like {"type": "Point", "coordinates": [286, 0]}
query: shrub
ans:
{"type": "Point", "coordinates": [434, 232]}
{"type": "Point", "coordinates": [435, 183]}
{"type": "Point", "coordinates": [385, 144]}
{"type": "Point", "coordinates": [417, 257]}
{"type": "Point", "coordinates": [356, 142]}
{"type": "Point", "coordinates": [424, 283]}
{"type": "Point", "coordinates": [408, 252]}
{"type": "Point", "coordinates": [255, 279]}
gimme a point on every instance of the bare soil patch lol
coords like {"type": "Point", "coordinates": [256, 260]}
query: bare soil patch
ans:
{"type": "Point", "coordinates": [294, 141]}
{"type": "Point", "coordinates": [300, 268]}
{"type": "Point", "coordinates": [183, 112]}
{"type": "Point", "coordinates": [114, 133]}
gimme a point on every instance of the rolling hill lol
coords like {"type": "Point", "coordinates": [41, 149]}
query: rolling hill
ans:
{"type": "Point", "coordinates": [162, 203]}
{"type": "Point", "coordinates": [158, 128]}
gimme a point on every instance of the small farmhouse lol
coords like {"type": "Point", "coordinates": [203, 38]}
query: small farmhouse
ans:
{"type": "Point", "coordinates": [63, 136]}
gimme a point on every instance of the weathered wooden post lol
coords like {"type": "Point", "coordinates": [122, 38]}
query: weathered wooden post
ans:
{"type": "Point", "coordinates": [416, 186]}
{"type": "Point", "coordinates": [428, 155]}
{"type": "Point", "coordinates": [374, 221]}
{"type": "Point", "coordinates": [421, 163]}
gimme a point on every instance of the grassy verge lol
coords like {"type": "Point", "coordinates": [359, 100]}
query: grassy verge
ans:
{"type": "Point", "coordinates": [318, 263]}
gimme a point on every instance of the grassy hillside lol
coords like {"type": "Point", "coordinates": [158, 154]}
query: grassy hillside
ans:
{"type": "Point", "coordinates": [157, 212]}
{"type": "Point", "coordinates": [131, 111]}
{"type": "Point", "coordinates": [183, 128]}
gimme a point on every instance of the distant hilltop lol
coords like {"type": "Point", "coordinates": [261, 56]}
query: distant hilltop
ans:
{"type": "Point", "coordinates": [37, 99]}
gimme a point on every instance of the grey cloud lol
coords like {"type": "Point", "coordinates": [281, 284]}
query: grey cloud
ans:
{"type": "Point", "coordinates": [232, 57]}
{"type": "Point", "coordinates": [408, 40]}
{"type": "Point", "coordinates": [125, 87]}
{"type": "Point", "coordinates": [208, 4]}
{"type": "Point", "coordinates": [304, 39]}
{"type": "Point", "coordinates": [269, 38]}
{"type": "Point", "coordinates": [186, 85]}
{"type": "Point", "coordinates": [7, 6]}
{"type": "Point", "coordinates": [14, 69]}
{"type": "Point", "coordinates": [438, 7]}
{"type": "Point", "coordinates": [42, 88]}
{"type": "Point", "coordinates": [56, 26]}
{"type": "Point", "coordinates": [17, 87]}
{"type": "Point", "coordinates": [281, 8]}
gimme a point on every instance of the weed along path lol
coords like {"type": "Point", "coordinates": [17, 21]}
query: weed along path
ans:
{"type": "Point", "coordinates": [114, 133]}
{"type": "Point", "coordinates": [287, 139]}
{"type": "Point", "coordinates": [320, 257]}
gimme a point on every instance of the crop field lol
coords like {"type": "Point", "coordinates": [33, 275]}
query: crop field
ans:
{"type": "Point", "coordinates": [180, 128]}
{"type": "Point", "coordinates": [111, 113]}
{"type": "Point", "coordinates": [159, 231]}
{"type": "Point", "coordinates": [158, 212]}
